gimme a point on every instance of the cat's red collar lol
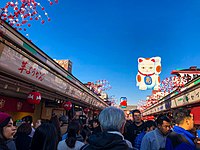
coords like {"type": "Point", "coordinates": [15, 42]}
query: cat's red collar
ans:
{"type": "Point", "coordinates": [146, 74]}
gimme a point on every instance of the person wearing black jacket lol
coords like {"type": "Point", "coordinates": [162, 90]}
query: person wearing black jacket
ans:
{"type": "Point", "coordinates": [132, 130]}
{"type": "Point", "coordinates": [23, 140]}
{"type": "Point", "coordinates": [112, 121]}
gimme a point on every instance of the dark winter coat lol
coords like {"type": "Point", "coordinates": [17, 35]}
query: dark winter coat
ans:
{"type": "Point", "coordinates": [106, 141]}
{"type": "Point", "coordinates": [7, 145]}
{"type": "Point", "coordinates": [23, 141]}
{"type": "Point", "coordinates": [132, 131]}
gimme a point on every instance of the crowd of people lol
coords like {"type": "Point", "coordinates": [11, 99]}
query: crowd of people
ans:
{"type": "Point", "coordinates": [111, 131]}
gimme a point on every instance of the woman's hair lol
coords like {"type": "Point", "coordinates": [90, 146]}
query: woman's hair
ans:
{"type": "Point", "coordinates": [85, 132]}
{"type": "Point", "coordinates": [55, 121]}
{"type": "Point", "coordinates": [73, 129]}
{"type": "Point", "coordinates": [1, 134]}
{"type": "Point", "coordinates": [4, 120]}
{"type": "Point", "coordinates": [24, 128]}
{"type": "Point", "coordinates": [45, 137]}
{"type": "Point", "coordinates": [2, 140]}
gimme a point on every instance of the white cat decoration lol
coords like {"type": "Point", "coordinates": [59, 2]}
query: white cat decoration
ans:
{"type": "Point", "coordinates": [148, 73]}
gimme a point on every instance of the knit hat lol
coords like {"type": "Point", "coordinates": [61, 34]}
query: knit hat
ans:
{"type": "Point", "coordinates": [4, 119]}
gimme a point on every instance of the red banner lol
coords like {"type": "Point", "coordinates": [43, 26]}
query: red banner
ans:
{"type": "Point", "coordinates": [195, 111]}
{"type": "Point", "coordinates": [15, 105]}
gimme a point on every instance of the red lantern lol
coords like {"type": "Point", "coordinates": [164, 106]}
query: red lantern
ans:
{"type": "Point", "coordinates": [67, 105]}
{"type": "Point", "coordinates": [86, 110]}
{"type": "Point", "coordinates": [34, 98]}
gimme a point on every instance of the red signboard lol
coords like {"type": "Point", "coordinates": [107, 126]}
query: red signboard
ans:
{"type": "Point", "coordinates": [195, 111]}
{"type": "Point", "coordinates": [15, 105]}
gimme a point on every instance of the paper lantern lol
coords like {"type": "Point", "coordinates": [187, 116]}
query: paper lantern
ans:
{"type": "Point", "coordinates": [67, 105]}
{"type": "Point", "coordinates": [34, 98]}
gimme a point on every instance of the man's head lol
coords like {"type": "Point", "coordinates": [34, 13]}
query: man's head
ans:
{"type": "Point", "coordinates": [95, 123]}
{"type": "Point", "coordinates": [112, 119]}
{"type": "Point", "coordinates": [136, 116]}
{"type": "Point", "coordinates": [149, 125]}
{"type": "Point", "coordinates": [163, 124]}
{"type": "Point", "coordinates": [27, 119]}
{"type": "Point", "coordinates": [63, 120]}
{"type": "Point", "coordinates": [183, 118]}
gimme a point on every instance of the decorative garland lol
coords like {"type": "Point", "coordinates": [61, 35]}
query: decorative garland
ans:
{"type": "Point", "coordinates": [19, 13]}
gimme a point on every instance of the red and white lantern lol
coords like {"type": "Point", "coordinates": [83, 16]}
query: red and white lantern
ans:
{"type": "Point", "coordinates": [34, 98]}
{"type": "Point", "coordinates": [67, 105]}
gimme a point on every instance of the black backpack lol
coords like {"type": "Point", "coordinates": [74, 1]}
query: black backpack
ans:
{"type": "Point", "coordinates": [177, 139]}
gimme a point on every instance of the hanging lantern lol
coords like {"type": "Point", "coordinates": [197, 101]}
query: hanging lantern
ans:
{"type": "Point", "coordinates": [86, 110]}
{"type": "Point", "coordinates": [34, 98]}
{"type": "Point", "coordinates": [67, 105]}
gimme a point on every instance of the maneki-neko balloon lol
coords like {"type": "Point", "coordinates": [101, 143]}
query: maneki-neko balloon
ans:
{"type": "Point", "coordinates": [148, 73]}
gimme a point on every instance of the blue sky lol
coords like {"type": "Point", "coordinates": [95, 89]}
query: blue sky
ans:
{"type": "Point", "coordinates": [104, 38]}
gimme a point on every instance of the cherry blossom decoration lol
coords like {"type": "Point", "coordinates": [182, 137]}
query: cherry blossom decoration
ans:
{"type": "Point", "coordinates": [99, 86]}
{"type": "Point", "coordinates": [173, 83]}
{"type": "Point", "coordinates": [20, 12]}
{"type": "Point", "coordinates": [103, 85]}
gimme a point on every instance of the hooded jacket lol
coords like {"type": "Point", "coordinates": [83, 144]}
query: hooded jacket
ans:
{"type": "Point", "coordinates": [106, 141]}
